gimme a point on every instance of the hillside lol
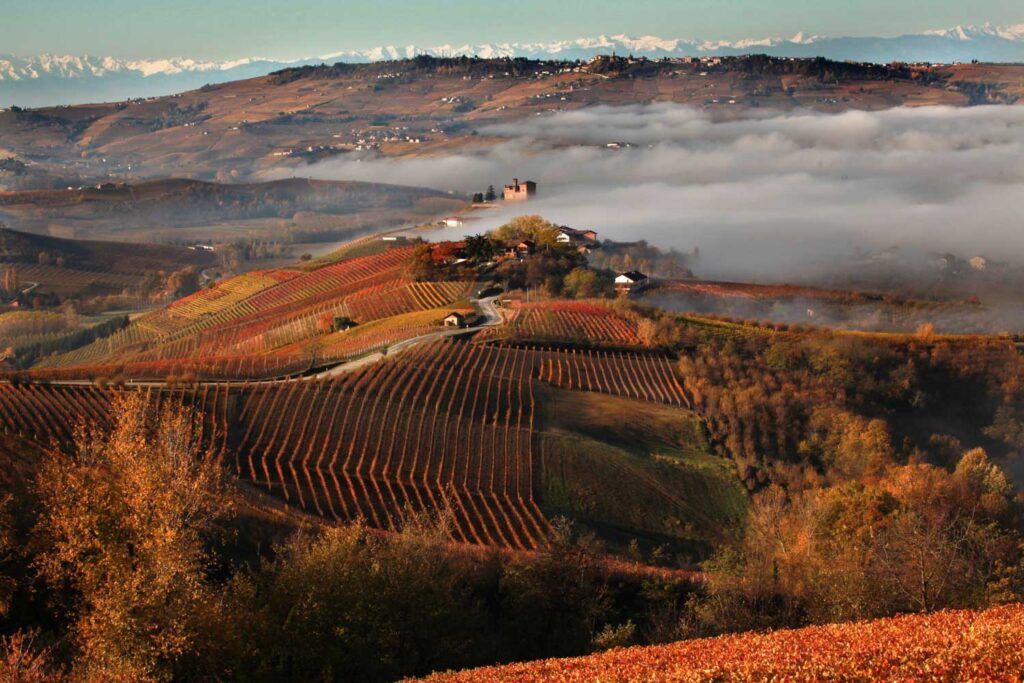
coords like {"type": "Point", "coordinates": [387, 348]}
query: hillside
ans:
{"type": "Point", "coordinates": [564, 475]}
{"type": "Point", "coordinates": [492, 429]}
{"type": "Point", "coordinates": [85, 268]}
{"type": "Point", "coordinates": [430, 105]}
{"type": "Point", "coordinates": [633, 422]}
{"type": "Point", "coordinates": [19, 247]}
{"type": "Point", "coordinates": [184, 210]}
{"type": "Point", "coordinates": [947, 646]}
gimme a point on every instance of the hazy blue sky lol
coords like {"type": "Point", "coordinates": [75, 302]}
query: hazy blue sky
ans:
{"type": "Point", "coordinates": [218, 29]}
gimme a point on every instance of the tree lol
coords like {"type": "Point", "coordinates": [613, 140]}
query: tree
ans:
{"type": "Point", "coordinates": [10, 282]}
{"type": "Point", "coordinates": [490, 195]}
{"type": "Point", "coordinates": [348, 604]}
{"type": "Point", "coordinates": [582, 283]}
{"type": "Point", "coordinates": [125, 519]}
{"type": "Point", "coordinates": [478, 197]}
{"type": "Point", "coordinates": [420, 266]}
{"type": "Point", "coordinates": [183, 282]}
{"type": "Point", "coordinates": [479, 248]}
{"type": "Point", "coordinates": [542, 232]}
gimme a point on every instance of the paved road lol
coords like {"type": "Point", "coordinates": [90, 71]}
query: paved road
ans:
{"type": "Point", "coordinates": [492, 317]}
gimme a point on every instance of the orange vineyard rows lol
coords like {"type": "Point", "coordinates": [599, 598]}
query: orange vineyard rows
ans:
{"type": "Point", "coordinates": [581, 321]}
{"type": "Point", "coordinates": [446, 424]}
{"type": "Point", "coordinates": [945, 646]}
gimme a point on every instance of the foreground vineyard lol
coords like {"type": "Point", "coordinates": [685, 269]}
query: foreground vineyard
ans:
{"type": "Point", "coordinates": [946, 646]}
{"type": "Point", "coordinates": [447, 424]}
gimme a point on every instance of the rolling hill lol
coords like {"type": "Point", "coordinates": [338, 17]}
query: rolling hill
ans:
{"type": "Point", "coordinates": [329, 417]}
{"type": "Point", "coordinates": [427, 105]}
{"type": "Point", "coordinates": [190, 210]}
{"type": "Point", "coordinates": [67, 79]}
{"type": "Point", "coordinates": [79, 268]}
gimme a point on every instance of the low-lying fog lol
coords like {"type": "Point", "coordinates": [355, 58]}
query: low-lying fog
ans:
{"type": "Point", "coordinates": [773, 196]}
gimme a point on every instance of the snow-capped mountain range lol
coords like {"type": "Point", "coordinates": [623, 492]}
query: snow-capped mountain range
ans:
{"type": "Point", "coordinates": [67, 79]}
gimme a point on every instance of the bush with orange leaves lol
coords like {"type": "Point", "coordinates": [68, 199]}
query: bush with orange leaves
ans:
{"type": "Point", "coordinates": [944, 646]}
{"type": "Point", "coordinates": [124, 522]}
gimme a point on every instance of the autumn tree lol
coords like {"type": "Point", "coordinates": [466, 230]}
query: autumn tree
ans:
{"type": "Point", "coordinates": [584, 283]}
{"type": "Point", "coordinates": [907, 538]}
{"type": "Point", "coordinates": [125, 518]}
{"type": "Point", "coordinates": [10, 281]}
{"type": "Point", "coordinates": [479, 247]}
{"type": "Point", "coordinates": [542, 232]}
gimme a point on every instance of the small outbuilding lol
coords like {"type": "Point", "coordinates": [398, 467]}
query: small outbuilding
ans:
{"type": "Point", "coordinates": [455, 319]}
{"type": "Point", "coordinates": [630, 281]}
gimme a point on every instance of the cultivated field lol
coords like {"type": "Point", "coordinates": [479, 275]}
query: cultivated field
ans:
{"type": "Point", "coordinates": [446, 424]}
{"type": "Point", "coordinates": [945, 646]}
{"type": "Point", "coordinates": [579, 322]}
{"type": "Point", "coordinates": [268, 321]}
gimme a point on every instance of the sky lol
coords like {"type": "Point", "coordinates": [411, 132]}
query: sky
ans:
{"type": "Point", "coordinates": [290, 29]}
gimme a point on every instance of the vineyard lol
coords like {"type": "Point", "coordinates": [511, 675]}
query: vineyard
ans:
{"type": "Point", "coordinates": [263, 322]}
{"type": "Point", "coordinates": [373, 336]}
{"type": "Point", "coordinates": [944, 646]}
{"type": "Point", "coordinates": [581, 322]}
{"type": "Point", "coordinates": [635, 375]}
{"type": "Point", "coordinates": [445, 424]}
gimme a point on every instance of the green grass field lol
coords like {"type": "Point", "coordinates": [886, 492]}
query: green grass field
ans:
{"type": "Point", "coordinates": [633, 469]}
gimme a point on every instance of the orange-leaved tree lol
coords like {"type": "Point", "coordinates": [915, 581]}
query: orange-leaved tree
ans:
{"type": "Point", "coordinates": [125, 518]}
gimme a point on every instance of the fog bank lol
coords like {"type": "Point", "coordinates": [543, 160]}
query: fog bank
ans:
{"type": "Point", "coordinates": [766, 196]}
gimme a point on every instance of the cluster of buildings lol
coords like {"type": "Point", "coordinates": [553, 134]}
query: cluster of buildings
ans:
{"type": "Point", "coordinates": [583, 240]}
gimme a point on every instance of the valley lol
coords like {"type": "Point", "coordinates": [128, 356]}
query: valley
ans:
{"type": "Point", "coordinates": [508, 368]}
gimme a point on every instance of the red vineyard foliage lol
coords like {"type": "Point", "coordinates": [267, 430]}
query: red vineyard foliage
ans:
{"type": "Point", "coordinates": [446, 424]}
{"type": "Point", "coordinates": [571, 321]}
{"type": "Point", "coordinates": [945, 646]}
{"type": "Point", "coordinates": [633, 375]}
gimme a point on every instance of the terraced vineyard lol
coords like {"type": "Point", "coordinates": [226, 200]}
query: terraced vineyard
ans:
{"type": "Point", "coordinates": [446, 424]}
{"type": "Point", "coordinates": [585, 322]}
{"type": "Point", "coordinates": [236, 324]}
{"type": "Point", "coordinates": [634, 375]}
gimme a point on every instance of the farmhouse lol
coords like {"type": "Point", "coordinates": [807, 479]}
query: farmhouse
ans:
{"type": "Point", "coordinates": [455, 319]}
{"type": "Point", "coordinates": [567, 235]}
{"type": "Point", "coordinates": [978, 263]}
{"type": "Point", "coordinates": [630, 281]}
{"type": "Point", "coordinates": [454, 222]}
{"type": "Point", "coordinates": [520, 192]}
{"type": "Point", "coordinates": [519, 249]}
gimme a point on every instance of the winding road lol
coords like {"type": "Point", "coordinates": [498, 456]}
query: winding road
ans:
{"type": "Point", "coordinates": [491, 318]}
